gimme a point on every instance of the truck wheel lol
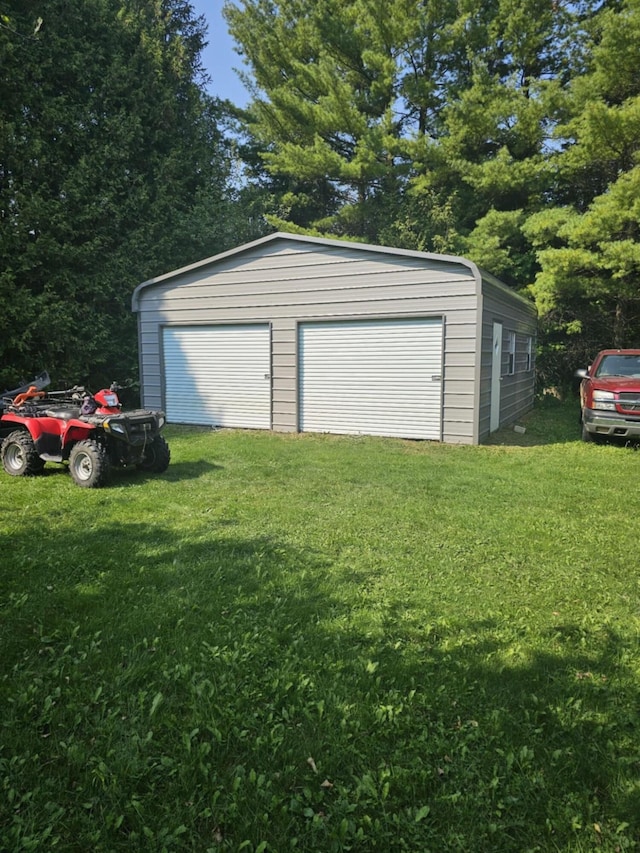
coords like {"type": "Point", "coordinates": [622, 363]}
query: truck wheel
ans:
{"type": "Point", "coordinates": [19, 455]}
{"type": "Point", "coordinates": [156, 456]}
{"type": "Point", "coordinates": [89, 464]}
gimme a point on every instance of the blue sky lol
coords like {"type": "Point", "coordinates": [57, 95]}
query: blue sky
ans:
{"type": "Point", "coordinates": [219, 57]}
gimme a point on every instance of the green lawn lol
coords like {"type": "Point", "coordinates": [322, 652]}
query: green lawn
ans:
{"type": "Point", "coordinates": [326, 643]}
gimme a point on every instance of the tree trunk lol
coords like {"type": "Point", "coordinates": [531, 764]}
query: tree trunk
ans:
{"type": "Point", "coordinates": [619, 324]}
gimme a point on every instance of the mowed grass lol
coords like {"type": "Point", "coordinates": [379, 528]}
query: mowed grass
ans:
{"type": "Point", "coordinates": [323, 643]}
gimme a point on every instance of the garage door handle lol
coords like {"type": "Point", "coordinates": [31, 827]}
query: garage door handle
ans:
{"type": "Point", "coordinates": [436, 377]}
{"type": "Point", "coordinates": [267, 376]}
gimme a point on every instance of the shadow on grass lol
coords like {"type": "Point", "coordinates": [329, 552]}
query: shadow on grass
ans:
{"type": "Point", "coordinates": [551, 421]}
{"type": "Point", "coordinates": [176, 472]}
{"type": "Point", "coordinates": [160, 692]}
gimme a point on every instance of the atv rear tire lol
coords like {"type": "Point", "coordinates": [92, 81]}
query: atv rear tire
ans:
{"type": "Point", "coordinates": [19, 455]}
{"type": "Point", "coordinates": [89, 464]}
{"type": "Point", "coordinates": [156, 456]}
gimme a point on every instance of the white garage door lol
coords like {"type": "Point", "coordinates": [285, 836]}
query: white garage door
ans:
{"type": "Point", "coordinates": [218, 375]}
{"type": "Point", "coordinates": [376, 377]}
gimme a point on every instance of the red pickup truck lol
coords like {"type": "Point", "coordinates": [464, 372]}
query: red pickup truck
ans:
{"type": "Point", "coordinates": [610, 396]}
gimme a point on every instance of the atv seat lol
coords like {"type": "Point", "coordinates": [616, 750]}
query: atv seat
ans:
{"type": "Point", "coordinates": [65, 413]}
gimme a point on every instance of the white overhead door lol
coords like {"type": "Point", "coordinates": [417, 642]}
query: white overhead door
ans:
{"type": "Point", "coordinates": [218, 375]}
{"type": "Point", "coordinates": [376, 377]}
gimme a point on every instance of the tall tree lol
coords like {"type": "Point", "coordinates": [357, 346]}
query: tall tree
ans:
{"type": "Point", "coordinates": [113, 168]}
{"type": "Point", "coordinates": [492, 167]}
{"type": "Point", "coordinates": [589, 247]}
{"type": "Point", "coordinates": [420, 124]}
{"type": "Point", "coordinates": [326, 78]}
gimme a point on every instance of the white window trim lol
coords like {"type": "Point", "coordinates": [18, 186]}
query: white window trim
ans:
{"type": "Point", "coordinates": [529, 354]}
{"type": "Point", "coordinates": [511, 349]}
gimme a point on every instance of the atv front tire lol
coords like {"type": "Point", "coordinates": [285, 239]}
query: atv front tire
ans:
{"type": "Point", "coordinates": [19, 455]}
{"type": "Point", "coordinates": [89, 464]}
{"type": "Point", "coordinates": [156, 456]}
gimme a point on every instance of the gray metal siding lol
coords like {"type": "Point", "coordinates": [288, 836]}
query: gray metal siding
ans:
{"type": "Point", "coordinates": [283, 283]}
{"type": "Point", "coordinates": [517, 390]}
{"type": "Point", "coordinates": [284, 280]}
{"type": "Point", "coordinates": [284, 405]}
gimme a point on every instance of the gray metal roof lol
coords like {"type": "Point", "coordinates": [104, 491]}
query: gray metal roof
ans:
{"type": "Point", "coordinates": [478, 274]}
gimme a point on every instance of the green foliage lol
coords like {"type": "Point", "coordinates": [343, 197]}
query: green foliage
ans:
{"type": "Point", "coordinates": [320, 643]}
{"type": "Point", "coordinates": [472, 128]}
{"type": "Point", "coordinates": [114, 169]}
{"type": "Point", "coordinates": [599, 251]}
{"type": "Point", "coordinates": [589, 249]}
{"type": "Point", "coordinates": [497, 243]}
{"type": "Point", "coordinates": [506, 131]}
{"type": "Point", "coordinates": [428, 121]}
{"type": "Point", "coordinates": [328, 124]}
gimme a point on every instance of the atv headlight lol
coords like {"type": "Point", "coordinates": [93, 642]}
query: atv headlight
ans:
{"type": "Point", "coordinates": [114, 426]}
{"type": "Point", "coordinates": [161, 421]}
{"type": "Point", "coordinates": [604, 400]}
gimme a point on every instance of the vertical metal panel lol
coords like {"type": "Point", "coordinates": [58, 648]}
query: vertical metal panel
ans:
{"type": "Point", "coordinates": [218, 375]}
{"type": "Point", "coordinates": [373, 377]}
{"type": "Point", "coordinates": [517, 391]}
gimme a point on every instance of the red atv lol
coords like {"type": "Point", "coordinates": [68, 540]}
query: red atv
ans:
{"type": "Point", "coordinates": [89, 432]}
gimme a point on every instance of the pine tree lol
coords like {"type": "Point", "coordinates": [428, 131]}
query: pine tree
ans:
{"type": "Point", "coordinates": [589, 247]}
{"type": "Point", "coordinates": [112, 169]}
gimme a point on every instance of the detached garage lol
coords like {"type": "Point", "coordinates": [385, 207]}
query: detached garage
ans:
{"type": "Point", "coordinates": [297, 333]}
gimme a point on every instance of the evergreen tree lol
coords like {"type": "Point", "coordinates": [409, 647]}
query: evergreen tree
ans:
{"type": "Point", "coordinates": [589, 247]}
{"type": "Point", "coordinates": [424, 125]}
{"type": "Point", "coordinates": [112, 169]}
{"type": "Point", "coordinates": [491, 166]}
{"type": "Point", "coordinates": [327, 76]}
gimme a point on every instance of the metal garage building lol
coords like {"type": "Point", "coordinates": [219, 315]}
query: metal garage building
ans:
{"type": "Point", "coordinates": [297, 333]}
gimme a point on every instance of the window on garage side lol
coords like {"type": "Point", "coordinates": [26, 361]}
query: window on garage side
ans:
{"type": "Point", "coordinates": [528, 353]}
{"type": "Point", "coordinates": [511, 351]}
